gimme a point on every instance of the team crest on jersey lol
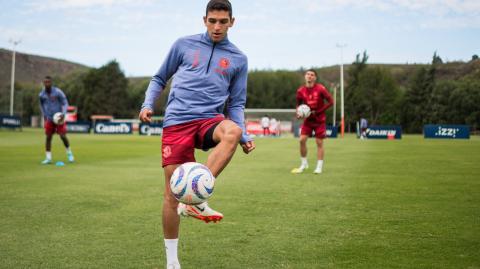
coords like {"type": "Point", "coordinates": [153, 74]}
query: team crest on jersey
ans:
{"type": "Point", "coordinates": [224, 63]}
{"type": "Point", "coordinates": [167, 151]}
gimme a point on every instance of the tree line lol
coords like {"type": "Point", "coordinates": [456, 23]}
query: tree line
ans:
{"type": "Point", "coordinates": [371, 91]}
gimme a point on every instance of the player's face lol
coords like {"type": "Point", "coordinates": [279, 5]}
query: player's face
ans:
{"type": "Point", "coordinates": [217, 23]}
{"type": "Point", "coordinates": [310, 77]}
{"type": "Point", "coordinates": [47, 83]}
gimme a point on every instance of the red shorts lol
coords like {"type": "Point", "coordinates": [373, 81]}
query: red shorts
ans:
{"type": "Point", "coordinates": [319, 128]}
{"type": "Point", "coordinates": [51, 128]}
{"type": "Point", "coordinates": [179, 141]}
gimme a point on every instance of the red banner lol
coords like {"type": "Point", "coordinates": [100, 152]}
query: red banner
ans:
{"type": "Point", "coordinates": [255, 128]}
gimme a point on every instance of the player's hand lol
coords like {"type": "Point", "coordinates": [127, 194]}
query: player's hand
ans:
{"type": "Point", "coordinates": [248, 147]}
{"type": "Point", "coordinates": [145, 115]}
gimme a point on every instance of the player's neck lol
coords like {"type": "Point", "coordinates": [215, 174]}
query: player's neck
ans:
{"type": "Point", "coordinates": [310, 85]}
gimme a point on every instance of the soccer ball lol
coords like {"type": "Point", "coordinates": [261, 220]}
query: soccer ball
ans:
{"type": "Point", "coordinates": [192, 183]}
{"type": "Point", "coordinates": [303, 111]}
{"type": "Point", "coordinates": [58, 118]}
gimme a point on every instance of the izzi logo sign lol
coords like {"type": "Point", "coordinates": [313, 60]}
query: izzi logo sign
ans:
{"type": "Point", "coordinates": [446, 131]}
{"type": "Point", "coordinates": [113, 128]}
{"type": "Point", "coordinates": [450, 132]}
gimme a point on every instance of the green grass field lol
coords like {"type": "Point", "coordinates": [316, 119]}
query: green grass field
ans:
{"type": "Point", "coordinates": [412, 203]}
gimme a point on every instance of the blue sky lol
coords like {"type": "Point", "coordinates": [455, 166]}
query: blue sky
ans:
{"type": "Point", "coordinates": [274, 34]}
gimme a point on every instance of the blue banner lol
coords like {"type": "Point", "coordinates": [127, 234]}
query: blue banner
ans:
{"type": "Point", "coordinates": [448, 131]}
{"type": "Point", "coordinates": [150, 129]}
{"type": "Point", "coordinates": [384, 132]}
{"type": "Point", "coordinates": [79, 127]}
{"type": "Point", "coordinates": [10, 121]}
{"type": "Point", "coordinates": [113, 128]}
{"type": "Point", "coordinates": [332, 131]}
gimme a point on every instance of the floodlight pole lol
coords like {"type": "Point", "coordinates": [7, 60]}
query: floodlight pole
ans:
{"type": "Point", "coordinates": [12, 84]}
{"type": "Point", "coordinates": [342, 109]}
{"type": "Point", "coordinates": [334, 105]}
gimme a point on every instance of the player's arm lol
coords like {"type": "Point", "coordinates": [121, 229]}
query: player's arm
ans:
{"type": "Point", "coordinates": [42, 108]}
{"type": "Point", "coordinates": [236, 106]}
{"type": "Point", "coordinates": [63, 101]}
{"type": "Point", "coordinates": [300, 101]}
{"type": "Point", "coordinates": [159, 81]}
{"type": "Point", "coordinates": [299, 97]}
{"type": "Point", "coordinates": [327, 96]}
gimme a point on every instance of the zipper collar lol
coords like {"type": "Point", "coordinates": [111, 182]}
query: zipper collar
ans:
{"type": "Point", "coordinates": [206, 37]}
{"type": "Point", "coordinates": [51, 91]}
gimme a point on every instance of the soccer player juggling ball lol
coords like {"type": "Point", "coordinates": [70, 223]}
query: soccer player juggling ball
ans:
{"type": "Point", "coordinates": [53, 100]}
{"type": "Point", "coordinates": [313, 94]}
{"type": "Point", "coordinates": [208, 70]}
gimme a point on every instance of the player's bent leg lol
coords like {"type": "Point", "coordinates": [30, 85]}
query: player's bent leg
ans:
{"type": "Point", "coordinates": [201, 211]}
{"type": "Point", "coordinates": [66, 143]}
{"type": "Point", "coordinates": [227, 134]}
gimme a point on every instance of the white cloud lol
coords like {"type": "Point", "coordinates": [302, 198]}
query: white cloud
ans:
{"type": "Point", "coordinates": [75, 4]}
{"type": "Point", "coordinates": [460, 7]}
{"type": "Point", "coordinates": [465, 7]}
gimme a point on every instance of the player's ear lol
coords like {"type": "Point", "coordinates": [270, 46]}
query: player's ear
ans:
{"type": "Point", "coordinates": [205, 20]}
{"type": "Point", "coordinates": [232, 20]}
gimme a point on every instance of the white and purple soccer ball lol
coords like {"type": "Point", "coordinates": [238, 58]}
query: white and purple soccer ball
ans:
{"type": "Point", "coordinates": [192, 183]}
{"type": "Point", "coordinates": [58, 118]}
{"type": "Point", "coordinates": [303, 111]}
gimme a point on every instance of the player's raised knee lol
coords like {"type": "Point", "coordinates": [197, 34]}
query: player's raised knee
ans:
{"type": "Point", "coordinates": [234, 133]}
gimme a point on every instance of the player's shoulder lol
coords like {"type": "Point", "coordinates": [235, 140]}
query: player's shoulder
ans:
{"type": "Point", "coordinates": [58, 90]}
{"type": "Point", "coordinates": [236, 52]}
{"type": "Point", "coordinates": [234, 49]}
{"type": "Point", "coordinates": [320, 87]}
{"type": "Point", "coordinates": [189, 38]}
{"type": "Point", "coordinates": [301, 88]}
{"type": "Point", "coordinates": [186, 41]}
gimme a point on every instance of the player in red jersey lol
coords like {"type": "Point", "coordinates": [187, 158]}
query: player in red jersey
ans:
{"type": "Point", "coordinates": [313, 94]}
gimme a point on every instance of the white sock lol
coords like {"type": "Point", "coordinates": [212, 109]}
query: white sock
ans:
{"type": "Point", "coordinates": [304, 161]}
{"type": "Point", "coordinates": [171, 246]}
{"type": "Point", "coordinates": [69, 151]}
{"type": "Point", "coordinates": [320, 164]}
{"type": "Point", "coordinates": [48, 155]}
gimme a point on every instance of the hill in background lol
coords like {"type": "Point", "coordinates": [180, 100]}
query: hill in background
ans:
{"type": "Point", "coordinates": [31, 69]}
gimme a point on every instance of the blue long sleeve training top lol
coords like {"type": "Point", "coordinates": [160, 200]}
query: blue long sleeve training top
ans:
{"type": "Point", "coordinates": [207, 74]}
{"type": "Point", "coordinates": [52, 103]}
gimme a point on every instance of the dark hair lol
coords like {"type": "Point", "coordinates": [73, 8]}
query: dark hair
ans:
{"type": "Point", "coordinates": [312, 70]}
{"type": "Point", "coordinates": [48, 77]}
{"type": "Point", "coordinates": [219, 5]}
